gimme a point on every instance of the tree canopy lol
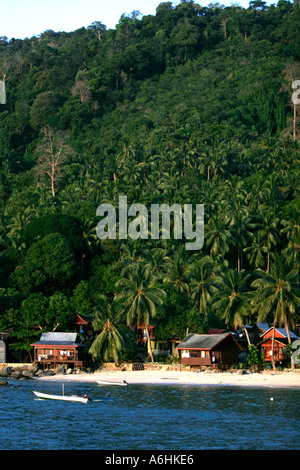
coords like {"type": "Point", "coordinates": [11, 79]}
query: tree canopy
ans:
{"type": "Point", "coordinates": [192, 105]}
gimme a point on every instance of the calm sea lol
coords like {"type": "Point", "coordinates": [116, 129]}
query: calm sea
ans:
{"type": "Point", "coordinates": [149, 417]}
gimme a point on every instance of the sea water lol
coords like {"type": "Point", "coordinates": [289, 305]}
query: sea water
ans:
{"type": "Point", "coordinates": [149, 417]}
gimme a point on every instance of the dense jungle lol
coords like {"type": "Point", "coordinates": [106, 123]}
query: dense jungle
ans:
{"type": "Point", "coordinates": [192, 105]}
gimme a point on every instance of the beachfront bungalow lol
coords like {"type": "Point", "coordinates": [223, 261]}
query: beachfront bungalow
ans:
{"type": "Point", "coordinates": [217, 351]}
{"type": "Point", "coordinates": [141, 333]}
{"type": "Point", "coordinates": [83, 324]}
{"type": "Point", "coordinates": [165, 347]}
{"type": "Point", "coordinates": [3, 346]}
{"type": "Point", "coordinates": [280, 343]}
{"type": "Point", "coordinates": [159, 347]}
{"type": "Point", "coordinates": [256, 331]}
{"type": "Point", "coordinates": [58, 348]}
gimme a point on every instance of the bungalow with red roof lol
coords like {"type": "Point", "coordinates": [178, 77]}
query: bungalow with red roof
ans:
{"type": "Point", "coordinates": [280, 343]}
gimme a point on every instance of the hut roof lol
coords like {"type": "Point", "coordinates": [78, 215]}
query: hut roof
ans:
{"type": "Point", "coordinates": [84, 318]}
{"type": "Point", "coordinates": [194, 341]}
{"type": "Point", "coordinates": [58, 339]}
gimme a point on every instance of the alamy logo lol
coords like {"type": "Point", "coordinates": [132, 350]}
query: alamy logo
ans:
{"type": "Point", "coordinates": [296, 94]}
{"type": "Point", "coordinates": [2, 92]}
{"type": "Point", "coordinates": [145, 225]}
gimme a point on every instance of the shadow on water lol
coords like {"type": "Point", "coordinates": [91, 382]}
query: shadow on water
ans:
{"type": "Point", "coordinates": [155, 417]}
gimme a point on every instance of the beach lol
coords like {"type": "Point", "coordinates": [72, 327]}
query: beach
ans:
{"type": "Point", "coordinates": [163, 376]}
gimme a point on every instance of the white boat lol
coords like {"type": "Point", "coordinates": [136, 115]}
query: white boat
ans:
{"type": "Point", "coordinates": [46, 396]}
{"type": "Point", "coordinates": [107, 382]}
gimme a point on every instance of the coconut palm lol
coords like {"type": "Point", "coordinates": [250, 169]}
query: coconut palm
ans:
{"type": "Point", "coordinates": [202, 283]}
{"type": "Point", "coordinates": [278, 293]}
{"type": "Point", "coordinates": [268, 229]}
{"type": "Point", "coordinates": [176, 275]}
{"type": "Point", "coordinates": [217, 236]}
{"type": "Point", "coordinates": [155, 260]}
{"type": "Point", "coordinates": [256, 251]}
{"type": "Point", "coordinates": [292, 230]}
{"type": "Point", "coordinates": [233, 299]}
{"type": "Point", "coordinates": [110, 342]}
{"type": "Point", "coordinates": [206, 163]}
{"type": "Point", "coordinates": [210, 197]}
{"type": "Point", "coordinates": [90, 240]}
{"type": "Point", "coordinates": [130, 254]}
{"type": "Point", "coordinates": [140, 297]}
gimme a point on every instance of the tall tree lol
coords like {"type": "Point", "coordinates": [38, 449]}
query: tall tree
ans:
{"type": "Point", "coordinates": [269, 232]}
{"type": "Point", "coordinates": [233, 299]}
{"type": "Point", "coordinates": [140, 297]}
{"type": "Point", "coordinates": [110, 341]}
{"type": "Point", "coordinates": [202, 283]}
{"type": "Point", "coordinates": [52, 154]}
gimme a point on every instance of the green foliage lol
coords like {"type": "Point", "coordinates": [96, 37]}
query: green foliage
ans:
{"type": "Point", "coordinates": [48, 265]}
{"type": "Point", "coordinates": [113, 337]}
{"type": "Point", "coordinates": [255, 356]}
{"type": "Point", "coordinates": [190, 105]}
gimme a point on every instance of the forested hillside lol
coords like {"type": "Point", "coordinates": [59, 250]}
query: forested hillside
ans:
{"type": "Point", "coordinates": [191, 105]}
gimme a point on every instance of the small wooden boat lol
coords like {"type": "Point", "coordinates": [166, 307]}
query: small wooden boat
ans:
{"type": "Point", "coordinates": [107, 382]}
{"type": "Point", "coordinates": [46, 396]}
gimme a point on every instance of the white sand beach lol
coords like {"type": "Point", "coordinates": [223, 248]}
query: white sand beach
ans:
{"type": "Point", "coordinates": [239, 378]}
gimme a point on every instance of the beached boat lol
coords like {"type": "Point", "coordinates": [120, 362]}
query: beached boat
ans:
{"type": "Point", "coordinates": [46, 396]}
{"type": "Point", "coordinates": [107, 382]}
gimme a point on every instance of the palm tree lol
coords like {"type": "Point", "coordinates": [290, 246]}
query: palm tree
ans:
{"type": "Point", "coordinates": [268, 229]}
{"type": "Point", "coordinates": [210, 197]}
{"type": "Point", "coordinates": [176, 276]}
{"type": "Point", "coordinates": [90, 240]}
{"type": "Point", "coordinates": [217, 235]}
{"type": "Point", "coordinates": [256, 251]}
{"type": "Point", "coordinates": [292, 230]}
{"type": "Point", "coordinates": [233, 299]}
{"type": "Point", "coordinates": [110, 342]}
{"type": "Point", "coordinates": [140, 297]}
{"type": "Point", "coordinates": [202, 283]}
{"type": "Point", "coordinates": [155, 259]}
{"type": "Point", "coordinates": [207, 163]}
{"type": "Point", "coordinates": [278, 293]}
{"type": "Point", "coordinates": [237, 217]}
{"type": "Point", "coordinates": [130, 254]}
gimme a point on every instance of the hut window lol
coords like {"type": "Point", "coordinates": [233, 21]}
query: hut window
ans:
{"type": "Point", "coordinates": [194, 354]}
{"type": "Point", "coordinates": [202, 354]}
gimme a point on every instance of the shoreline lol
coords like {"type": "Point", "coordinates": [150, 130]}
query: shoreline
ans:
{"type": "Point", "coordinates": [276, 379]}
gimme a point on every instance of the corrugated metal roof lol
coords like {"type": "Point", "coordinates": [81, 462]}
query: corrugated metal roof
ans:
{"type": "Point", "coordinates": [284, 333]}
{"type": "Point", "coordinates": [262, 326]}
{"type": "Point", "coordinates": [58, 339]}
{"type": "Point", "coordinates": [55, 336]}
{"type": "Point", "coordinates": [194, 341]}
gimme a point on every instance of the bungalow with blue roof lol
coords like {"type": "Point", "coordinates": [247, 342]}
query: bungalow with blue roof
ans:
{"type": "Point", "coordinates": [58, 348]}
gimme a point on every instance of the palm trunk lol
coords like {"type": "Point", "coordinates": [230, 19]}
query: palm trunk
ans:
{"type": "Point", "coordinates": [294, 123]}
{"type": "Point", "coordinates": [289, 338]}
{"type": "Point", "coordinates": [273, 342]}
{"type": "Point", "coordinates": [247, 335]}
{"type": "Point", "coordinates": [149, 343]}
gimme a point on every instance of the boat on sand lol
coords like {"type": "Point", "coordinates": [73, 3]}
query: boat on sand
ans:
{"type": "Point", "coordinates": [107, 382]}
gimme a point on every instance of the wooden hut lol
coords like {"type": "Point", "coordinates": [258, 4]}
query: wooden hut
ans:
{"type": "Point", "coordinates": [280, 343]}
{"type": "Point", "coordinates": [58, 348]}
{"type": "Point", "coordinates": [218, 351]}
{"type": "Point", "coordinates": [84, 324]}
